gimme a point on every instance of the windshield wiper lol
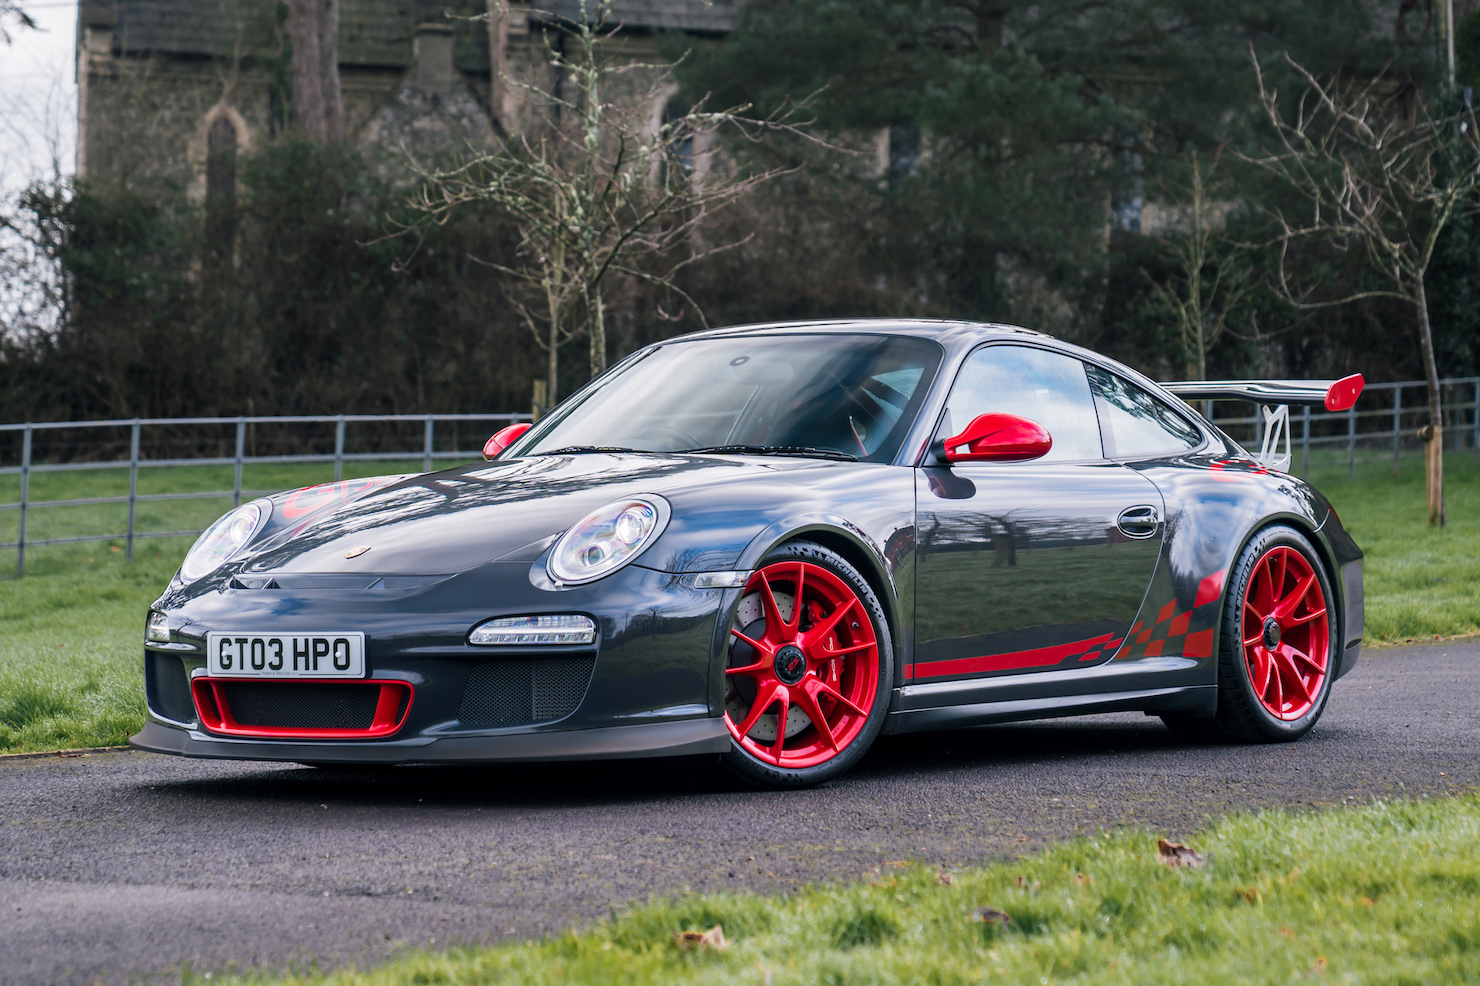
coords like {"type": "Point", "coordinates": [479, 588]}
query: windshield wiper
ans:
{"type": "Point", "coordinates": [804, 450]}
{"type": "Point", "coordinates": [586, 449]}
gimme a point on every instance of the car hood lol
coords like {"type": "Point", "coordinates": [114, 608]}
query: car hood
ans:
{"type": "Point", "coordinates": [458, 519]}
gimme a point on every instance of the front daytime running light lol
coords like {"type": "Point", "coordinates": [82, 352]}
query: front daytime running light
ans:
{"type": "Point", "coordinates": [606, 539]}
{"type": "Point", "coordinates": [223, 539]}
{"type": "Point", "coordinates": [535, 630]}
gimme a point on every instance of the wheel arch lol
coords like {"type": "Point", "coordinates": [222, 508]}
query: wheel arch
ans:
{"type": "Point", "coordinates": [1312, 534]}
{"type": "Point", "coordinates": [853, 546]}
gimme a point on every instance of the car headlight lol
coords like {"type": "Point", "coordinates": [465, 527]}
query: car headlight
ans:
{"type": "Point", "coordinates": [223, 539]}
{"type": "Point", "coordinates": [606, 539]}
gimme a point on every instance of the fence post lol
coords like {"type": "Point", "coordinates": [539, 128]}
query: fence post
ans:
{"type": "Point", "coordinates": [1351, 442]}
{"type": "Point", "coordinates": [428, 459]}
{"type": "Point", "coordinates": [133, 489]}
{"type": "Point", "coordinates": [1305, 442]}
{"type": "Point", "coordinates": [339, 449]}
{"type": "Point", "coordinates": [20, 548]}
{"type": "Point", "coordinates": [241, 448]}
{"type": "Point", "coordinates": [1397, 422]}
{"type": "Point", "coordinates": [1475, 440]}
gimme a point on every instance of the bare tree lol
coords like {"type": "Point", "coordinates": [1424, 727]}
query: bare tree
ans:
{"type": "Point", "coordinates": [11, 18]}
{"type": "Point", "coordinates": [1210, 276]}
{"type": "Point", "coordinates": [317, 105]}
{"type": "Point", "coordinates": [610, 185]}
{"type": "Point", "coordinates": [1383, 176]}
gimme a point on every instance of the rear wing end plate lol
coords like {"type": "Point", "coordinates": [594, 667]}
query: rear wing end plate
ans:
{"type": "Point", "coordinates": [1333, 395]}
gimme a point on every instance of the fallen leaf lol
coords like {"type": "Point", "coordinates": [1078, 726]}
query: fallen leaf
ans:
{"type": "Point", "coordinates": [1174, 854]}
{"type": "Point", "coordinates": [990, 915]}
{"type": "Point", "coordinates": [1320, 962]}
{"type": "Point", "coordinates": [1081, 879]}
{"type": "Point", "coordinates": [944, 879]}
{"type": "Point", "coordinates": [1288, 933]}
{"type": "Point", "coordinates": [898, 862]}
{"type": "Point", "coordinates": [1250, 894]}
{"type": "Point", "coordinates": [1367, 901]}
{"type": "Point", "coordinates": [712, 940]}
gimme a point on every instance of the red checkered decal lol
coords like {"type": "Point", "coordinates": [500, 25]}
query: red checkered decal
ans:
{"type": "Point", "coordinates": [1185, 632]}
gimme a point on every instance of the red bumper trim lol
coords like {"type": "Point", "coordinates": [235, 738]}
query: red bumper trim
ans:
{"type": "Point", "coordinates": [391, 709]}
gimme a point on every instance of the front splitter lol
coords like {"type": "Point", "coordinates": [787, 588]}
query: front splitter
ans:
{"type": "Point", "coordinates": [666, 739]}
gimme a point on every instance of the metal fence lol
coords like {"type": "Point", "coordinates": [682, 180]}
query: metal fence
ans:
{"type": "Point", "coordinates": [135, 461]}
{"type": "Point", "coordinates": [1383, 424]}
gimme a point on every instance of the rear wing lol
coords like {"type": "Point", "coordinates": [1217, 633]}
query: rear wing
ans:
{"type": "Point", "coordinates": [1333, 395]}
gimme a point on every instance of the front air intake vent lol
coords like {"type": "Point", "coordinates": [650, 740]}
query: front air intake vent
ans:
{"type": "Point", "coordinates": [167, 686]}
{"type": "Point", "coordinates": [302, 709]}
{"type": "Point", "coordinates": [520, 692]}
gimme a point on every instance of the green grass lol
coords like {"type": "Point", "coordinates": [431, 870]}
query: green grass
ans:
{"type": "Point", "coordinates": [1388, 894]}
{"type": "Point", "coordinates": [1420, 581]}
{"type": "Point", "coordinates": [70, 631]}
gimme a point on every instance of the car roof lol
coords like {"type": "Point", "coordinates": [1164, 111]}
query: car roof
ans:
{"type": "Point", "coordinates": [944, 331]}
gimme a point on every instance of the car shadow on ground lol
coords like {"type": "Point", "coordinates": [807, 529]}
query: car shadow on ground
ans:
{"type": "Point", "coordinates": [547, 785]}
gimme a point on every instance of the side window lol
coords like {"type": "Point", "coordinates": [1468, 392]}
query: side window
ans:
{"type": "Point", "coordinates": [1136, 423]}
{"type": "Point", "coordinates": [1049, 388]}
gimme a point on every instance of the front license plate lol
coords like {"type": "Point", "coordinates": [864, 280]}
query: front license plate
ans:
{"type": "Point", "coordinates": [283, 655]}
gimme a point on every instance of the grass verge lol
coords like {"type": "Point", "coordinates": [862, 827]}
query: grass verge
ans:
{"type": "Point", "coordinates": [1387, 894]}
{"type": "Point", "coordinates": [1420, 581]}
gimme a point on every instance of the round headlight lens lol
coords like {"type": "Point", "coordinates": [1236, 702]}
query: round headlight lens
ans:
{"type": "Point", "coordinates": [223, 539]}
{"type": "Point", "coordinates": [606, 539]}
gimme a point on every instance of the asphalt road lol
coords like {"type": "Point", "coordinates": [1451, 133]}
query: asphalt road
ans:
{"type": "Point", "coordinates": [129, 867]}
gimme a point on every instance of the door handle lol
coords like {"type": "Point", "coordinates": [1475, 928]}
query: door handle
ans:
{"type": "Point", "coordinates": [1140, 521]}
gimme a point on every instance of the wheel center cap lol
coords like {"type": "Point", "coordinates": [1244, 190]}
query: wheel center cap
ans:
{"type": "Point", "coordinates": [791, 664]}
{"type": "Point", "coordinates": [1271, 633]}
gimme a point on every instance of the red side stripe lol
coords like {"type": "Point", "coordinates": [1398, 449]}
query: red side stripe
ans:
{"type": "Point", "coordinates": [1153, 649]}
{"type": "Point", "coordinates": [1012, 661]}
{"type": "Point", "coordinates": [1166, 612]}
{"type": "Point", "coordinates": [1179, 625]}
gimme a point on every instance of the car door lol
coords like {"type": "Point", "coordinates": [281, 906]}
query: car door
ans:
{"type": "Point", "coordinates": [1036, 565]}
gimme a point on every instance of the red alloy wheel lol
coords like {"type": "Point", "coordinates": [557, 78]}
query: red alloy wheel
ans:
{"type": "Point", "coordinates": [1287, 635]}
{"type": "Point", "coordinates": [823, 662]}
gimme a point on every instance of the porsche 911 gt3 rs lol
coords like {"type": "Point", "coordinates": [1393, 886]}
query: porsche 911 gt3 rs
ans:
{"type": "Point", "coordinates": [772, 544]}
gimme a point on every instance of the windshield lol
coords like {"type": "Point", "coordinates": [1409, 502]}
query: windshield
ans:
{"type": "Point", "coordinates": [844, 395]}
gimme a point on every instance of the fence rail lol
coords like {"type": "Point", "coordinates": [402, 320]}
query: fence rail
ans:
{"type": "Point", "coordinates": [1383, 423]}
{"type": "Point", "coordinates": [428, 453]}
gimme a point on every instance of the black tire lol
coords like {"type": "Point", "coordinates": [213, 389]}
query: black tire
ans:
{"type": "Point", "coordinates": [1243, 717]}
{"type": "Point", "coordinates": [756, 773]}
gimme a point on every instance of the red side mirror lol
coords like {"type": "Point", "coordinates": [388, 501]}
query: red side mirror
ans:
{"type": "Point", "coordinates": [503, 439]}
{"type": "Point", "coordinates": [999, 438]}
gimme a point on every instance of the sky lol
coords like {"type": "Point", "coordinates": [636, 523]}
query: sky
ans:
{"type": "Point", "coordinates": [38, 96]}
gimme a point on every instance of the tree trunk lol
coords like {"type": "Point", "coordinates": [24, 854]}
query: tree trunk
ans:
{"type": "Point", "coordinates": [328, 30]}
{"type": "Point", "coordinates": [306, 109]}
{"type": "Point", "coordinates": [498, 48]}
{"type": "Point", "coordinates": [1433, 435]}
{"type": "Point", "coordinates": [598, 334]}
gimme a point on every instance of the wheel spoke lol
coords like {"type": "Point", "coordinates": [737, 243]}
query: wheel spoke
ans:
{"type": "Point", "coordinates": [1286, 606]}
{"type": "Point", "coordinates": [769, 609]}
{"type": "Point", "coordinates": [807, 699]}
{"type": "Point", "coordinates": [796, 607]}
{"type": "Point", "coordinates": [840, 651]}
{"type": "Point", "coordinates": [1262, 589]}
{"type": "Point", "coordinates": [1294, 654]}
{"type": "Point", "coordinates": [823, 688]}
{"type": "Point", "coordinates": [763, 699]}
{"type": "Point", "coordinates": [1303, 618]}
{"type": "Point", "coordinates": [1278, 586]}
{"type": "Point", "coordinates": [1293, 677]}
{"type": "Point", "coordinates": [818, 634]}
{"type": "Point", "coordinates": [760, 647]}
{"type": "Point", "coordinates": [783, 695]}
{"type": "Point", "coordinates": [1260, 669]}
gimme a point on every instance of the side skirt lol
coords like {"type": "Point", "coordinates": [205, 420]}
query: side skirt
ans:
{"type": "Point", "coordinates": [1187, 699]}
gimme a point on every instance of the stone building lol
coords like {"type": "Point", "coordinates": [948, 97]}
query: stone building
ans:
{"type": "Point", "coordinates": [167, 87]}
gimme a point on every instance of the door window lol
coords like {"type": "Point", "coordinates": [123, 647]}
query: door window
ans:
{"type": "Point", "coordinates": [1047, 387]}
{"type": "Point", "coordinates": [1136, 423]}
